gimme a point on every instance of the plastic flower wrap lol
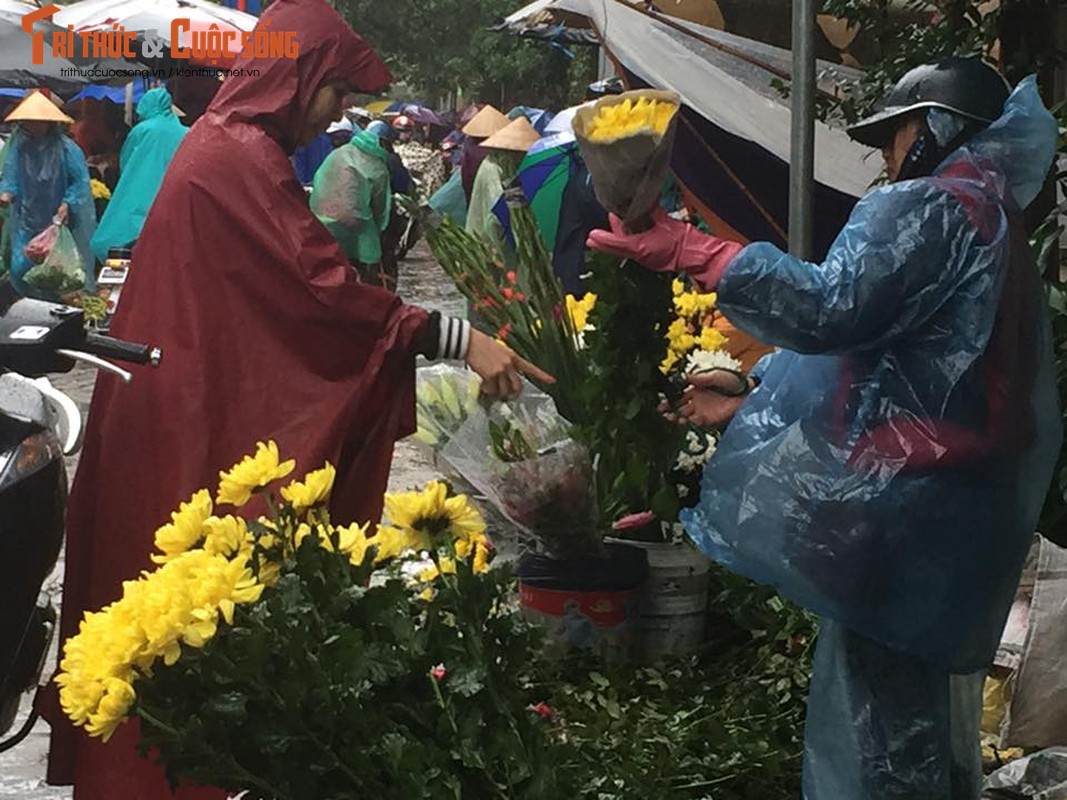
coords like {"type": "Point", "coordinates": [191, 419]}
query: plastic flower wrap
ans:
{"type": "Point", "coordinates": [445, 395]}
{"type": "Point", "coordinates": [521, 457]}
{"type": "Point", "coordinates": [626, 142]}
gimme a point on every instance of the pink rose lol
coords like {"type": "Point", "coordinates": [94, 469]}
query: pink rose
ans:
{"type": "Point", "coordinates": [438, 673]}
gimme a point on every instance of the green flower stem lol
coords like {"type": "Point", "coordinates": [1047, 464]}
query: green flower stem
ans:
{"type": "Point", "coordinates": [441, 702]}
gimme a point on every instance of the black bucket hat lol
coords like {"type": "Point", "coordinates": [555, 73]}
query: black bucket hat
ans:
{"type": "Point", "coordinates": [965, 86]}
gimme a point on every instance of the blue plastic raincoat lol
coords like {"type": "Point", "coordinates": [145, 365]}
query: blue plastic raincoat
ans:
{"type": "Point", "coordinates": [889, 470]}
{"type": "Point", "coordinates": [41, 173]}
{"type": "Point", "coordinates": [143, 161]}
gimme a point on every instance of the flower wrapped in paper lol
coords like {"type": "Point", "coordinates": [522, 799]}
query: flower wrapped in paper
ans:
{"type": "Point", "coordinates": [626, 143]}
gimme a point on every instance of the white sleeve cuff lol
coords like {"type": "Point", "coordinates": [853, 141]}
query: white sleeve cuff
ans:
{"type": "Point", "coordinates": [454, 338]}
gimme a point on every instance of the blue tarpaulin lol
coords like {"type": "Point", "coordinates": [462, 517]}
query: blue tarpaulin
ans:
{"type": "Point", "coordinates": [116, 94]}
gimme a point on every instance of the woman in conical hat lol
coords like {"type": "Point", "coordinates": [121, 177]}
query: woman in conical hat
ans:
{"type": "Point", "coordinates": [44, 178]}
{"type": "Point", "coordinates": [506, 148]}
{"type": "Point", "coordinates": [483, 125]}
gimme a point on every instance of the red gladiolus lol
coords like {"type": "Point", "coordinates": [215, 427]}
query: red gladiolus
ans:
{"type": "Point", "coordinates": [504, 332]}
{"type": "Point", "coordinates": [512, 277]}
{"type": "Point", "coordinates": [520, 297]}
{"type": "Point", "coordinates": [508, 293]}
{"type": "Point", "coordinates": [543, 710]}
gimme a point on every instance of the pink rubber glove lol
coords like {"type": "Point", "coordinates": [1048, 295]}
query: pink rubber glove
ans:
{"type": "Point", "coordinates": [668, 246]}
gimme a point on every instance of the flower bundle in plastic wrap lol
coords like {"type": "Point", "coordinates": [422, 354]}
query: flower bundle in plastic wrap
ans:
{"type": "Point", "coordinates": [445, 395]}
{"type": "Point", "coordinates": [626, 142]}
{"type": "Point", "coordinates": [521, 457]}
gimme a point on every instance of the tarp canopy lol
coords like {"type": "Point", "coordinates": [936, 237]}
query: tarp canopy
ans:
{"type": "Point", "coordinates": [115, 94]}
{"type": "Point", "coordinates": [732, 150]}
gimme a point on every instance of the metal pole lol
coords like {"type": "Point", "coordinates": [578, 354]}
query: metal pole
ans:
{"type": "Point", "coordinates": [802, 139]}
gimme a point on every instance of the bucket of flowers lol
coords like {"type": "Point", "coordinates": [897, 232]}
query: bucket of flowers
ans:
{"type": "Point", "coordinates": [291, 657]}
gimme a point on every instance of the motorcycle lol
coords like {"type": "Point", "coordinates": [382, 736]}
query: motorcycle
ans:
{"type": "Point", "coordinates": [38, 426]}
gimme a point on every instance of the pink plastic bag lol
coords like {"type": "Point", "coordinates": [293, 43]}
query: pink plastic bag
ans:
{"type": "Point", "coordinates": [41, 245]}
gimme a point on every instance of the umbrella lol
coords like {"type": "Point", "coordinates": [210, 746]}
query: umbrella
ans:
{"type": "Point", "coordinates": [543, 177]}
{"type": "Point", "coordinates": [156, 16]}
{"type": "Point", "coordinates": [418, 113]}
{"type": "Point", "coordinates": [17, 70]}
{"type": "Point", "coordinates": [538, 117]}
{"type": "Point", "coordinates": [378, 106]}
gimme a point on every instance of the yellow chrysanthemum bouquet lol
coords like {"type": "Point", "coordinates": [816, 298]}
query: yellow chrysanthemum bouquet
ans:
{"type": "Point", "coordinates": [626, 142]}
{"type": "Point", "coordinates": [291, 657]}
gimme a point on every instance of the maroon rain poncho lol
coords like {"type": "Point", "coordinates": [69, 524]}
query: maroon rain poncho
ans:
{"type": "Point", "coordinates": [266, 334]}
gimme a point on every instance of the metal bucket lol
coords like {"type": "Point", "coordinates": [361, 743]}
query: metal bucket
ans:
{"type": "Point", "coordinates": [672, 603]}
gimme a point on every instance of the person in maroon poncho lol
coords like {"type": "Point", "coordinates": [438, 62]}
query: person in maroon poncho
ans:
{"type": "Point", "coordinates": [266, 334]}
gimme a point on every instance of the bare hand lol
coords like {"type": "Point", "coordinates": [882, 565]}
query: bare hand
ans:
{"type": "Point", "coordinates": [500, 368]}
{"type": "Point", "coordinates": [703, 406]}
{"type": "Point", "coordinates": [62, 212]}
{"type": "Point", "coordinates": [5, 199]}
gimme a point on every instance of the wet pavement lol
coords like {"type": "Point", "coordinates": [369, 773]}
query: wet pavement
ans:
{"type": "Point", "coordinates": [422, 282]}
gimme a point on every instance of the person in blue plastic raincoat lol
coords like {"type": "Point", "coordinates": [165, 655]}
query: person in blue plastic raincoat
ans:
{"type": "Point", "coordinates": [145, 155]}
{"type": "Point", "coordinates": [45, 178]}
{"type": "Point", "coordinates": [887, 464]}
{"type": "Point", "coordinates": [352, 197]}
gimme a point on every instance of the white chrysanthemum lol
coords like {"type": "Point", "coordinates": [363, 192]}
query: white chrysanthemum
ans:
{"type": "Point", "coordinates": [706, 360]}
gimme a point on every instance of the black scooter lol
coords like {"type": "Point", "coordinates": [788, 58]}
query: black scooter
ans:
{"type": "Point", "coordinates": [38, 426]}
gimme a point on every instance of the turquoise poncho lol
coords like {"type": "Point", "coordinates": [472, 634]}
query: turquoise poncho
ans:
{"type": "Point", "coordinates": [142, 163]}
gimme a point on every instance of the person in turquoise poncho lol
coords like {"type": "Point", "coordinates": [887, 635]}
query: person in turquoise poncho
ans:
{"type": "Point", "coordinates": [143, 161]}
{"type": "Point", "coordinates": [45, 178]}
{"type": "Point", "coordinates": [351, 196]}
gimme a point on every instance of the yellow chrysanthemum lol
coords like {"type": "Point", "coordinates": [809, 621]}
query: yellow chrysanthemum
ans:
{"type": "Point", "coordinates": [679, 338]}
{"type": "Point", "coordinates": [185, 529]}
{"type": "Point", "coordinates": [99, 189]}
{"type": "Point", "coordinates": [253, 472]}
{"type": "Point", "coordinates": [693, 304]}
{"type": "Point", "coordinates": [354, 541]}
{"type": "Point", "coordinates": [579, 310]}
{"type": "Point", "coordinates": [711, 339]}
{"type": "Point", "coordinates": [226, 536]}
{"type": "Point", "coordinates": [629, 118]}
{"type": "Point", "coordinates": [181, 602]}
{"type": "Point", "coordinates": [313, 490]}
{"type": "Point", "coordinates": [668, 361]}
{"type": "Point", "coordinates": [431, 513]}
{"type": "Point", "coordinates": [389, 543]}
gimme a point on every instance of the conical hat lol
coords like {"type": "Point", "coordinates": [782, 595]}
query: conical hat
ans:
{"type": "Point", "coordinates": [485, 123]}
{"type": "Point", "coordinates": [519, 136]}
{"type": "Point", "coordinates": [37, 108]}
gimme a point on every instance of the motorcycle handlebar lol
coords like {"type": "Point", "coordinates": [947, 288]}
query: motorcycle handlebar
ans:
{"type": "Point", "coordinates": [119, 350]}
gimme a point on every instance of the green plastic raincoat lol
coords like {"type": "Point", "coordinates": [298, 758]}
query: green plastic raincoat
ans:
{"type": "Point", "coordinates": [351, 196]}
{"type": "Point", "coordinates": [143, 161]}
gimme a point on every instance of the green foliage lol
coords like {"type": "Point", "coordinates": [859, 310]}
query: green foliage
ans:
{"type": "Point", "coordinates": [323, 689]}
{"type": "Point", "coordinates": [636, 447]}
{"type": "Point", "coordinates": [725, 725]}
{"type": "Point", "coordinates": [438, 46]}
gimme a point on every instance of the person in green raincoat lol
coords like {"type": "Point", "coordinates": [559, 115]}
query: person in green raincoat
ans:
{"type": "Point", "coordinates": [352, 197]}
{"type": "Point", "coordinates": [143, 161]}
{"type": "Point", "coordinates": [506, 149]}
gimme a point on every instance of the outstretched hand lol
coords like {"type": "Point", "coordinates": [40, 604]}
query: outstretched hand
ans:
{"type": "Point", "coordinates": [501, 368]}
{"type": "Point", "coordinates": [655, 248]}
